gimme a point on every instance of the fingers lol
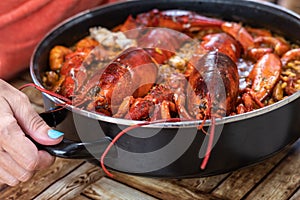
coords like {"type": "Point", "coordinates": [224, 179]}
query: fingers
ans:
{"type": "Point", "coordinates": [14, 142]}
{"type": "Point", "coordinates": [30, 122]}
{"type": "Point", "coordinates": [11, 173]}
{"type": "Point", "coordinates": [8, 178]}
{"type": "Point", "coordinates": [19, 157]}
{"type": "Point", "coordinates": [45, 160]}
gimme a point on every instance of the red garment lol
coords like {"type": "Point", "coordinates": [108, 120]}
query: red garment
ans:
{"type": "Point", "coordinates": [23, 23]}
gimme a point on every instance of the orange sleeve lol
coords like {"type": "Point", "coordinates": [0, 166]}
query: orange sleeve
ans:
{"type": "Point", "coordinates": [23, 23]}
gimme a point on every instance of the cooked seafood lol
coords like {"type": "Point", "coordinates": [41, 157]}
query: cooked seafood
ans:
{"type": "Point", "coordinates": [263, 67]}
{"type": "Point", "coordinates": [205, 68]}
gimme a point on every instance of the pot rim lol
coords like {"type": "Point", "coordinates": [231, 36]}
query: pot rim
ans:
{"type": "Point", "coordinates": [180, 124]}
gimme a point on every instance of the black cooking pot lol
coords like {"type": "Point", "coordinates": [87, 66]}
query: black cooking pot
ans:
{"type": "Point", "coordinates": [172, 149]}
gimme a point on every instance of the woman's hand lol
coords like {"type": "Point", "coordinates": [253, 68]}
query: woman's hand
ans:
{"type": "Point", "coordinates": [19, 157]}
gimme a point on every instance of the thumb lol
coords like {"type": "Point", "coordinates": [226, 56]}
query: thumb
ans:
{"type": "Point", "coordinates": [38, 130]}
{"type": "Point", "coordinates": [29, 120]}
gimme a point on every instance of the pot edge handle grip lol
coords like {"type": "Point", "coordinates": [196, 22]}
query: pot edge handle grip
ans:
{"type": "Point", "coordinates": [78, 150]}
{"type": "Point", "coordinates": [72, 149]}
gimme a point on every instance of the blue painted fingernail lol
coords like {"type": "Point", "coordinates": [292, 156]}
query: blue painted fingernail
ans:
{"type": "Point", "coordinates": [54, 134]}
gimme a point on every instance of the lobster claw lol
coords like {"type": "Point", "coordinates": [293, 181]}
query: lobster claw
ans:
{"type": "Point", "coordinates": [238, 32]}
{"type": "Point", "coordinates": [105, 89]}
{"type": "Point", "coordinates": [224, 43]}
{"type": "Point", "coordinates": [265, 75]}
{"type": "Point", "coordinates": [262, 78]}
{"type": "Point", "coordinates": [180, 20]}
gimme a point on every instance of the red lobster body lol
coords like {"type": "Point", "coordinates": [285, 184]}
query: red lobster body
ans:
{"type": "Point", "coordinates": [210, 71]}
{"type": "Point", "coordinates": [105, 89]}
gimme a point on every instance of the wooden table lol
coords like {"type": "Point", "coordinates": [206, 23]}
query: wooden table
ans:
{"type": "Point", "coordinates": [276, 178]}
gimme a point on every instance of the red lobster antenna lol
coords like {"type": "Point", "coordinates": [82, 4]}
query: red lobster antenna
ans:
{"type": "Point", "coordinates": [65, 99]}
{"type": "Point", "coordinates": [123, 132]}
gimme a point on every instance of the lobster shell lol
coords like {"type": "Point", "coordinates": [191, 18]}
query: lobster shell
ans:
{"type": "Point", "coordinates": [245, 139]}
{"type": "Point", "coordinates": [209, 72]}
{"type": "Point", "coordinates": [124, 76]}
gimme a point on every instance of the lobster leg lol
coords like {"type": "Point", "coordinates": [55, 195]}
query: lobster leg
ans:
{"type": "Point", "coordinates": [278, 45]}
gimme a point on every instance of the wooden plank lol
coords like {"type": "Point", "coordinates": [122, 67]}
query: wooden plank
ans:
{"type": "Point", "coordinates": [106, 189]}
{"type": "Point", "coordinates": [240, 182]}
{"type": "Point", "coordinates": [41, 180]}
{"type": "Point", "coordinates": [80, 197]}
{"type": "Point", "coordinates": [204, 185]}
{"type": "Point", "coordinates": [160, 188]}
{"type": "Point", "coordinates": [73, 184]}
{"type": "Point", "coordinates": [283, 181]}
{"type": "Point", "coordinates": [296, 196]}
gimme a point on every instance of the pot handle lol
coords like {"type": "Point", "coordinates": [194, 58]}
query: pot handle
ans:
{"type": "Point", "coordinates": [71, 149]}
{"type": "Point", "coordinates": [78, 150]}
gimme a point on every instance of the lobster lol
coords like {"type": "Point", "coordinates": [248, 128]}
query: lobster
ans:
{"type": "Point", "coordinates": [69, 64]}
{"type": "Point", "coordinates": [262, 78]}
{"type": "Point", "coordinates": [209, 72]}
{"type": "Point", "coordinates": [224, 43]}
{"type": "Point", "coordinates": [259, 46]}
{"type": "Point", "coordinates": [184, 21]}
{"type": "Point", "coordinates": [179, 20]}
{"type": "Point", "coordinates": [124, 76]}
{"type": "Point", "coordinates": [169, 97]}
{"type": "Point", "coordinates": [255, 42]}
{"type": "Point", "coordinates": [165, 100]}
{"type": "Point", "coordinates": [122, 90]}
{"type": "Point", "coordinates": [233, 41]}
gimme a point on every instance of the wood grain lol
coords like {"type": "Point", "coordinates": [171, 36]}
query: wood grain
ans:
{"type": "Point", "coordinates": [248, 177]}
{"type": "Point", "coordinates": [41, 180]}
{"type": "Point", "coordinates": [204, 185]}
{"type": "Point", "coordinates": [73, 184]}
{"type": "Point", "coordinates": [161, 188]}
{"type": "Point", "coordinates": [80, 197]}
{"type": "Point", "coordinates": [296, 196]}
{"type": "Point", "coordinates": [3, 187]}
{"type": "Point", "coordinates": [283, 181]}
{"type": "Point", "coordinates": [107, 189]}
